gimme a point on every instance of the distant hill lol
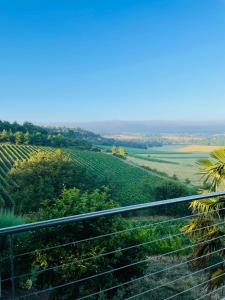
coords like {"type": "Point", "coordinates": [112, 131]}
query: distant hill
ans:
{"type": "Point", "coordinates": [149, 127]}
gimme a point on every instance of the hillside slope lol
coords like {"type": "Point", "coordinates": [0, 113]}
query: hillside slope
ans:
{"type": "Point", "coordinates": [126, 181]}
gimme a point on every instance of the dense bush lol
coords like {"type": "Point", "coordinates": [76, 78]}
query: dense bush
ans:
{"type": "Point", "coordinates": [43, 176]}
{"type": "Point", "coordinates": [74, 201]}
{"type": "Point", "coordinates": [167, 189]}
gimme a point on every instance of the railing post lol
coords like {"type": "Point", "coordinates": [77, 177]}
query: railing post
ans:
{"type": "Point", "coordinates": [11, 245]}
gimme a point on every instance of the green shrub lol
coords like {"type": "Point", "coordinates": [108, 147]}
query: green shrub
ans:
{"type": "Point", "coordinates": [74, 201]}
{"type": "Point", "coordinates": [43, 176]}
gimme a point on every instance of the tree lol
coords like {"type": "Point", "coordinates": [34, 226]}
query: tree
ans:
{"type": "Point", "coordinates": [4, 136]}
{"type": "Point", "coordinates": [43, 176]}
{"type": "Point", "coordinates": [204, 228]}
{"type": "Point", "coordinates": [122, 152]}
{"type": "Point", "coordinates": [114, 150]}
{"type": "Point", "coordinates": [19, 137]}
{"type": "Point", "coordinates": [27, 138]}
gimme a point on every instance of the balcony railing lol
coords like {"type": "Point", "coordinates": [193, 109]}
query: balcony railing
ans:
{"type": "Point", "coordinates": [102, 266]}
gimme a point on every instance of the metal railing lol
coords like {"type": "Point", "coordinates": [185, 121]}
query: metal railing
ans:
{"type": "Point", "coordinates": [121, 253]}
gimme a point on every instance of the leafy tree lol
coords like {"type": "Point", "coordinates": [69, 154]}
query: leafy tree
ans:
{"type": "Point", "coordinates": [207, 233]}
{"type": "Point", "coordinates": [167, 189]}
{"type": "Point", "coordinates": [11, 137]}
{"type": "Point", "coordinates": [114, 150]}
{"type": "Point", "coordinates": [43, 176]}
{"type": "Point", "coordinates": [27, 138]}
{"type": "Point", "coordinates": [122, 152]}
{"type": "Point", "coordinates": [4, 136]}
{"type": "Point", "coordinates": [19, 137]}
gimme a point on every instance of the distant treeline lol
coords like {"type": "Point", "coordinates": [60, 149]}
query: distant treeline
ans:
{"type": "Point", "coordinates": [30, 134]}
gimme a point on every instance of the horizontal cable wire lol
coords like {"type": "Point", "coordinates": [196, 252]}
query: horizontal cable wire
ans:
{"type": "Point", "coordinates": [74, 242]}
{"type": "Point", "coordinates": [212, 292]}
{"type": "Point", "coordinates": [112, 234]}
{"type": "Point", "coordinates": [173, 281]}
{"type": "Point", "coordinates": [113, 252]}
{"type": "Point", "coordinates": [151, 274]}
{"type": "Point", "coordinates": [194, 287]}
{"type": "Point", "coordinates": [117, 269]}
{"type": "Point", "coordinates": [130, 247]}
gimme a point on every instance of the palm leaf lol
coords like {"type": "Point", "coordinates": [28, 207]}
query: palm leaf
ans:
{"type": "Point", "coordinates": [216, 278]}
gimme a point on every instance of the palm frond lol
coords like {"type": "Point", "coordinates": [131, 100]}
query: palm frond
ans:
{"type": "Point", "coordinates": [207, 244]}
{"type": "Point", "coordinates": [216, 278]}
{"type": "Point", "coordinates": [213, 169]}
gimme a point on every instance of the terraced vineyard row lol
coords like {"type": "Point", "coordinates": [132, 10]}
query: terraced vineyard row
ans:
{"type": "Point", "coordinates": [126, 180]}
{"type": "Point", "coordinates": [8, 155]}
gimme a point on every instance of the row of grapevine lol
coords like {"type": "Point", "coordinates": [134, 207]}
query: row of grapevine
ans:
{"type": "Point", "coordinates": [126, 180]}
{"type": "Point", "coordinates": [8, 155]}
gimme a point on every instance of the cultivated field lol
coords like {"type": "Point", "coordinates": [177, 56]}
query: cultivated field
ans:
{"type": "Point", "coordinates": [198, 148]}
{"type": "Point", "coordinates": [172, 160]}
{"type": "Point", "coordinates": [125, 180]}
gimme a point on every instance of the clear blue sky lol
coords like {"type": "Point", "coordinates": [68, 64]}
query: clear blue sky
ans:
{"type": "Point", "coordinates": [83, 60]}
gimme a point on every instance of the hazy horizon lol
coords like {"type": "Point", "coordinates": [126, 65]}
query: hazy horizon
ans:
{"type": "Point", "coordinates": [150, 127]}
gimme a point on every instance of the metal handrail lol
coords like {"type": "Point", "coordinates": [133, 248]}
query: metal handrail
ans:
{"type": "Point", "coordinates": [103, 213]}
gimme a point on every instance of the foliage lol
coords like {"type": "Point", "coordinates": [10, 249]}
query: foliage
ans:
{"type": "Point", "coordinates": [119, 152]}
{"type": "Point", "coordinates": [43, 176]}
{"type": "Point", "coordinates": [168, 189]}
{"type": "Point", "coordinates": [8, 155]}
{"type": "Point", "coordinates": [205, 229]}
{"type": "Point", "coordinates": [122, 152]}
{"type": "Point", "coordinates": [30, 134]}
{"type": "Point", "coordinates": [154, 231]}
{"type": "Point", "coordinates": [8, 218]}
{"type": "Point", "coordinates": [71, 202]}
{"type": "Point", "coordinates": [114, 150]}
{"type": "Point", "coordinates": [213, 169]}
{"type": "Point", "coordinates": [128, 184]}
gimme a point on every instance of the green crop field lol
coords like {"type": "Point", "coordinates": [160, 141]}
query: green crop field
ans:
{"type": "Point", "coordinates": [125, 179]}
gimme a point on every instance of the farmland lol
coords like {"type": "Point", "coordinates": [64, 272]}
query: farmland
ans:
{"type": "Point", "coordinates": [179, 160]}
{"type": "Point", "coordinates": [124, 179]}
{"type": "Point", "coordinates": [172, 160]}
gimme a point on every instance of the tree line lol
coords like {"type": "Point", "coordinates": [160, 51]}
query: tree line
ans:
{"type": "Point", "coordinates": [30, 134]}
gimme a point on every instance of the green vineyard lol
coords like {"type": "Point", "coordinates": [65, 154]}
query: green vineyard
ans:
{"type": "Point", "coordinates": [125, 180]}
{"type": "Point", "coordinates": [8, 155]}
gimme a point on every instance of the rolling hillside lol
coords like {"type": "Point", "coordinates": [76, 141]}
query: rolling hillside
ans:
{"type": "Point", "coordinates": [126, 181]}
